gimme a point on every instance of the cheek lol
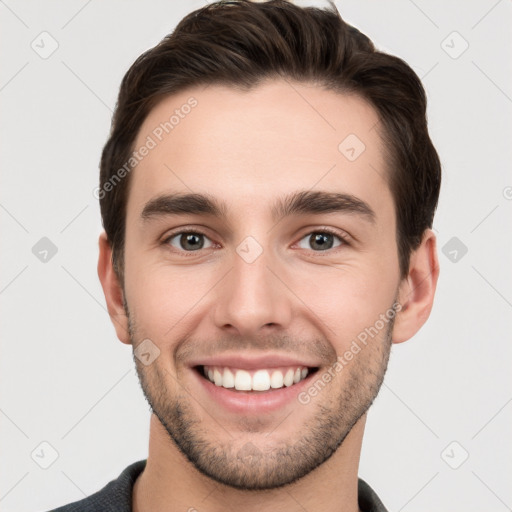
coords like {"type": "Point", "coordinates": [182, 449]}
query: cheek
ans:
{"type": "Point", "coordinates": [347, 300]}
{"type": "Point", "coordinates": [163, 298]}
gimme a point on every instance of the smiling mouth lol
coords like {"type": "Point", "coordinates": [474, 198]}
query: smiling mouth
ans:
{"type": "Point", "coordinates": [254, 381]}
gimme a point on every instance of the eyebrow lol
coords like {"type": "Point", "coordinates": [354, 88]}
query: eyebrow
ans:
{"type": "Point", "coordinates": [301, 202]}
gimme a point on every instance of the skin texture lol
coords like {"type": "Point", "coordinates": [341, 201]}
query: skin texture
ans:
{"type": "Point", "coordinates": [248, 149]}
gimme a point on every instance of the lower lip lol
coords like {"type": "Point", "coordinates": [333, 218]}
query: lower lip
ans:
{"type": "Point", "coordinates": [252, 402]}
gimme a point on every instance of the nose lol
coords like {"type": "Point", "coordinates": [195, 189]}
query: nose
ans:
{"type": "Point", "coordinates": [252, 298]}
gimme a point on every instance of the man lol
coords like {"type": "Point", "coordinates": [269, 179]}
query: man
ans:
{"type": "Point", "coordinates": [267, 194]}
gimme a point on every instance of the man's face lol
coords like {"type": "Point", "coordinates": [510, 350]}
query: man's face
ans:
{"type": "Point", "coordinates": [255, 287]}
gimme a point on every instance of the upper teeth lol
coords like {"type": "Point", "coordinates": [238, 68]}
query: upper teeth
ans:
{"type": "Point", "coordinates": [259, 380]}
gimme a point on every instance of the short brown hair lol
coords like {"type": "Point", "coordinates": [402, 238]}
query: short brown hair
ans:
{"type": "Point", "coordinates": [241, 43]}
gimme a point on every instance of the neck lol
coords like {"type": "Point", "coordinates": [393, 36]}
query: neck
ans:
{"type": "Point", "coordinates": [171, 483]}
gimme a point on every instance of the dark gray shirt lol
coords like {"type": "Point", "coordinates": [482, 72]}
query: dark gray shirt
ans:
{"type": "Point", "coordinates": [116, 496]}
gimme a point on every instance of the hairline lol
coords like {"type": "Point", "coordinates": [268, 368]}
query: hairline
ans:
{"type": "Point", "coordinates": [385, 139]}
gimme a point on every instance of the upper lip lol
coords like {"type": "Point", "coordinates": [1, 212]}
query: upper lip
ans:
{"type": "Point", "coordinates": [246, 362]}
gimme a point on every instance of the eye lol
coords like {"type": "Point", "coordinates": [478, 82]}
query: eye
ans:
{"type": "Point", "coordinates": [322, 241]}
{"type": "Point", "coordinates": [188, 241]}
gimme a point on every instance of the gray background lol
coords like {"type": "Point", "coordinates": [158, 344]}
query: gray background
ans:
{"type": "Point", "coordinates": [65, 378]}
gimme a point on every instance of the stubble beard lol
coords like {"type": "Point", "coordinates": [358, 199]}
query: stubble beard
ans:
{"type": "Point", "coordinates": [242, 462]}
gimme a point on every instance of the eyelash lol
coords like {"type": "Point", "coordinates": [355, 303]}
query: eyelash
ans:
{"type": "Point", "coordinates": [342, 237]}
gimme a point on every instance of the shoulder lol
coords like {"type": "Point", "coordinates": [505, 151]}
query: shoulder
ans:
{"type": "Point", "coordinates": [116, 496]}
{"type": "Point", "coordinates": [368, 499]}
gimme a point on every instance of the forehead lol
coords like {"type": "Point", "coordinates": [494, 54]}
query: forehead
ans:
{"type": "Point", "coordinates": [253, 146]}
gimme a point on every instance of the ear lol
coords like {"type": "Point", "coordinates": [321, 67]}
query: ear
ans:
{"type": "Point", "coordinates": [112, 290]}
{"type": "Point", "coordinates": [417, 289]}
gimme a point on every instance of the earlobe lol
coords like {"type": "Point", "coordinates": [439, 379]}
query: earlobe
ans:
{"type": "Point", "coordinates": [417, 290]}
{"type": "Point", "coordinates": [112, 290]}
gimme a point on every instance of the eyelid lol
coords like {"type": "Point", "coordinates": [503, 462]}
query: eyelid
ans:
{"type": "Point", "coordinates": [345, 238]}
{"type": "Point", "coordinates": [182, 230]}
